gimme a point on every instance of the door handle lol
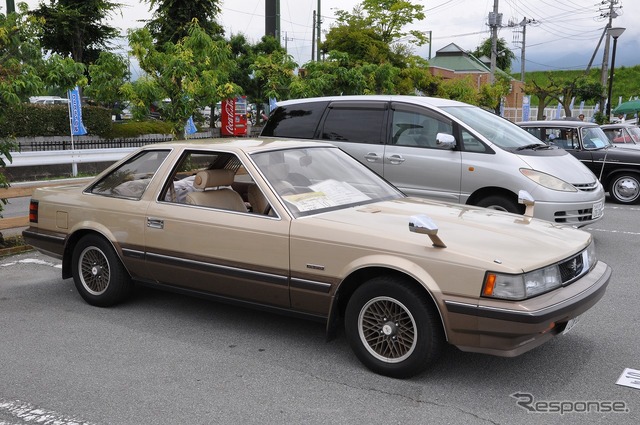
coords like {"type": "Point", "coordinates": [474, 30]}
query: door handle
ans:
{"type": "Point", "coordinates": [395, 159]}
{"type": "Point", "coordinates": [155, 223]}
{"type": "Point", "coordinates": [372, 157]}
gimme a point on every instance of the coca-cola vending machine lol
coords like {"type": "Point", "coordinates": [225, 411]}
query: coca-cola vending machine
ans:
{"type": "Point", "coordinates": [233, 117]}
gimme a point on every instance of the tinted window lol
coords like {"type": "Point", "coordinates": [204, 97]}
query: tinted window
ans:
{"type": "Point", "coordinates": [354, 124]}
{"type": "Point", "coordinates": [298, 121]}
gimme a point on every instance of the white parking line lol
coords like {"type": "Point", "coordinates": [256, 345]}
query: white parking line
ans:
{"type": "Point", "coordinates": [32, 261]}
{"type": "Point", "coordinates": [622, 232]}
{"type": "Point", "coordinates": [32, 414]}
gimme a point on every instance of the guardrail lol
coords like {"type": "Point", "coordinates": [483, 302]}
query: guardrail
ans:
{"type": "Point", "coordinates": [30, 159]}
{"type": "Point", "coordinates": [20, 190]}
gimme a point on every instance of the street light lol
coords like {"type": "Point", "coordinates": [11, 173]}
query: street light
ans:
{"type": "Point", "coordinates": [615, 33]}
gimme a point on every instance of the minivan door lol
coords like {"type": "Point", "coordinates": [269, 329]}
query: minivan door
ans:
{"type": "Point", "coordinates": [359, 129]}
{"type": "Point", "coordinates": [412, 159]}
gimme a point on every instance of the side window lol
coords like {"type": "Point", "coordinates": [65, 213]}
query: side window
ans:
{"type": "Point", "coordinates": [354, 124]}
{"type": "Point", "coordinates": [470, 143]}
{"type": "Point", "coordinates": [130, 180]}
{"type": "Point", "coordinates": [410, 128]}
{"type": "Point", "coordinates": [299, 120]}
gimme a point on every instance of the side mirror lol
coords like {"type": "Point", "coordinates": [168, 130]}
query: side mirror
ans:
{"type": "Point", "coordinates": [527, 200]}
{"type": "Point", "coordinates": [445, 141]}
{"type": "Point", "coordinates": [423, 224]}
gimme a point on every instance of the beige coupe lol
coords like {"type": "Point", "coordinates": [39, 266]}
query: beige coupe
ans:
{"type": "Point", "coordinates": [302, 228]}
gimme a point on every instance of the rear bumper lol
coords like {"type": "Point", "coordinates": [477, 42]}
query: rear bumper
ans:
{"type": "Point", "coordinates": [51, 244]}
{"type": "Point", "coordinates": [509, 332]}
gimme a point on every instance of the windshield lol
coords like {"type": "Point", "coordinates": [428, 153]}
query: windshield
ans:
{"type": "Point", "coordinates": [594, 138]}
{"type": "Point", "coordinates": [497, 130]}
{"type": "Point", "coordinates": [319, 179]}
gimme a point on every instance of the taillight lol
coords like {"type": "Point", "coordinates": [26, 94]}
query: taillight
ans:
{"type": "Point", "coordinates": [33, 211]}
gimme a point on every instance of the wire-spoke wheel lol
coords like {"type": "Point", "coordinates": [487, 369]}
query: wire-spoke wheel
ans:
{"type": "Point", "coordinates": [388, 329]}
{"type": "Point", "coordinates": [393, 326]}
{"type": "Point", "coordinates": [98, 274]}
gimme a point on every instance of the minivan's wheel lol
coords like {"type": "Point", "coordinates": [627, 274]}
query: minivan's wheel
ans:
{"type": "Point", "coordinates": [625, 189]}
{"type": "Point", "coordinates": [98, 274]}
{"type": "Point", "coordinates": [500, 203]}
{"type": "Point", "coordinates": [392, 327]}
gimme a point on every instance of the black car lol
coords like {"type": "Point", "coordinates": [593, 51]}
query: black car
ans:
{"type": "Point", "coordinates": [617, 168]}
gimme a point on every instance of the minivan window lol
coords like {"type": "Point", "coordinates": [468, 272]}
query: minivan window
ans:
{"type": "Point", "coordinates": [354, 124]}
{"type": "Point", "coordinates": [411, 128]}
{"type": "Point", "coordinates": [299, 120]}
{"type": "Point", "coordinates": [494, 128]}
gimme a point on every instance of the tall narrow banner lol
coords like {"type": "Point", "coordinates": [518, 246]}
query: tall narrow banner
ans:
{"type": "Point", "coordinates": [190, 127]}
{"type": "Point", "coordinates": [526, 107]}
{"type": "Point", "coordinates": [75, 113]}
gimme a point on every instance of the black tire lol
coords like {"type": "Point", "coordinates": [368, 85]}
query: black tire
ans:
{"type": "Point", "coordinates": [625, 188]}
{"type": "Point", "coordinates": [98, 273]}
{"type": "Point", "coordinates": [393, 328]}
{"type": "Point", "coordinates": [500, 203]}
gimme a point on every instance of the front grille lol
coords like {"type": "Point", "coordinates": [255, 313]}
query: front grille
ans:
{"type": "Point", "coordinates": [586, 187]}
{"type": "Point", "coordinates": [572, 269]}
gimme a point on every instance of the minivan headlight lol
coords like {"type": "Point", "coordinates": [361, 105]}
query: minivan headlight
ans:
{"type": "Point", "coordinates": [547, 180]}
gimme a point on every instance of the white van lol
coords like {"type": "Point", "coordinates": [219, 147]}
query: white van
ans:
{"type": "Point", "coordinates": [49, 100]}
{"type": "Point", "coordinates": [447, 150]}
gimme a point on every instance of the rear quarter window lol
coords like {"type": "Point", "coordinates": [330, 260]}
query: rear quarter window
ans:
{"type": "Point", "coordinates": [298, 121]}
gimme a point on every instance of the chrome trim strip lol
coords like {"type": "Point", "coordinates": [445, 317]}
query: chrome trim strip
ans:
{"type": "Point", "coordinates": [310, 285]}
{"type": "Point", "coordinates": [220, 269]}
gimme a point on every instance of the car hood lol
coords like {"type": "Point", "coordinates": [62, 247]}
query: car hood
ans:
{"type": "Point", "coordinates": [474, 236]}
{"type": "Point", "coordinates": [565, 167]}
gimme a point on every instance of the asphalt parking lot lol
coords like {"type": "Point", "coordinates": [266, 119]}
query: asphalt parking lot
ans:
{"type": "Point", "coordinates": [162, 358]}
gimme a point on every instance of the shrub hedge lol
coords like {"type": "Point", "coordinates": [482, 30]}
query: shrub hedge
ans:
{"type": "Point", "coordinates": [31, 120]}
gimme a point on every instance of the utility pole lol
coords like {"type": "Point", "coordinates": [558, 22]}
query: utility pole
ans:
{"type": "Point", "coordinates": [611, 14]}
{"type": "Point", "coordinates": [313, 37]}
{"type": "Point", "coordinates": [522, 24]}
{"type": "Point", "coordinates": [495, 21]}
{"type": "Point", "coordinates": [11, 6]}
{"type": "Point", "coordinates": [318, 31]}
{"type": "Point", "coordinates": [286, 42]}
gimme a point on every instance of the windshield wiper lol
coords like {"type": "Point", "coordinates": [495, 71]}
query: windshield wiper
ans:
{"type": "Point", "coordinates": [534, 146]}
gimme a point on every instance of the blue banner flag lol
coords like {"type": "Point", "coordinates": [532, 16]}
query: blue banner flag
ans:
{"type": "Point", "coordinates": [190, 128]}
{"type": "Point", "coordinates": [75, 113]}
{"type": "Point", "coordinates": [273, 104]}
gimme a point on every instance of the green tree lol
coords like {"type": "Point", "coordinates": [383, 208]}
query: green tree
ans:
{"type": "Point", "coordinates": [76, 28]}
{"type": "Point", "coordinates": [171, 19]}
{"type": "Point", "coordinates": [373, 31]}
{"type": "Point", "coordinates": [108, 74]}
{"type": "Point", "coordinates": [504, 56]}
{"type": "Point", "coordinates": [19, 59]}
{"type": "Point", "coordinates": [191, 73]}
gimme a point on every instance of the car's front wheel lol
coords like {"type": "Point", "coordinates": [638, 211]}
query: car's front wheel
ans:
{"type": "Point", "coordinates": [98, 274]}
{"type": "Point", "coordinates": [500, 203]}
{"type": "Point", "coordinates": [392, 327]}
{"type": "Point", "coordinates": [625, 188]}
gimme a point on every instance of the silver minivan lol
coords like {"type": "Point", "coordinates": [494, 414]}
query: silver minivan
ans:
{"type": "Point", "coordinates": [447, 150]}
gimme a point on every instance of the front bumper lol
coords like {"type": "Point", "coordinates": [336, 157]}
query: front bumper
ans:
{"type": "Point", "coordinates": [490, 327]}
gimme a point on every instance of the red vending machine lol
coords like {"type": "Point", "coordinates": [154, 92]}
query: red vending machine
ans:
{"type": "Point", "coordinates": [233, 117]}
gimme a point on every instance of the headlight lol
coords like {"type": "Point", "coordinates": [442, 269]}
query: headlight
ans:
{"type": "Point", "coordinates": [536, 282]}
{"type": "Point", "coordinates": [521, 286]}
{"type": "Point", "coordinates": [547, 180]}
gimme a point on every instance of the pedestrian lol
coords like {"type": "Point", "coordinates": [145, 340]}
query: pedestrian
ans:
{"type": "Point", "coordinates": [581, 117]}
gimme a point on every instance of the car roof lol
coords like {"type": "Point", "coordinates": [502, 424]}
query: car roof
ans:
{"type": "Point", "coordinates": [419, 100]}
{"type": "Point", "coordinates": [557, 123]}
{"type": "Point", "coordinates": [618, 125]}
{"type": "Point", "coordinates": [247, 145]}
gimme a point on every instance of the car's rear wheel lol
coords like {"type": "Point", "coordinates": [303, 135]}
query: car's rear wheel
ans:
{"type": "Point", "coordinates": [393, 327]}
{"type": "Point", "coordinates": [98, 274]}
{"type": "Point", "coordinates": [500, 203]}
{"type": "Point", "coordinates": [625, 189]}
